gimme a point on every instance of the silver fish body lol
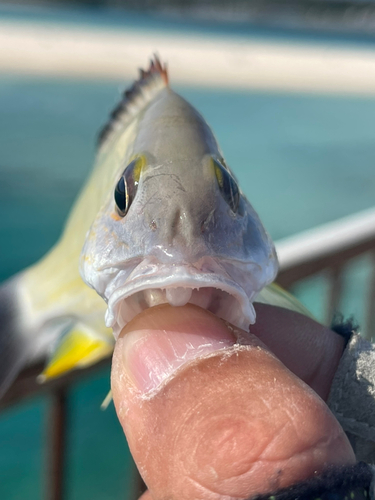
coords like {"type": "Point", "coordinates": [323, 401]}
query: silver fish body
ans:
{"type": "Point", "coordinates": [160, 220]}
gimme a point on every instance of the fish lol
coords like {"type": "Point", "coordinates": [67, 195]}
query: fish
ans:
{"type": "Point", "coordinates": [161, 219]}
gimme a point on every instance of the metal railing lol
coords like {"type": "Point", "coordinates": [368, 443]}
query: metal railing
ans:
{"type": "Point", "coordinates": [327, 249]}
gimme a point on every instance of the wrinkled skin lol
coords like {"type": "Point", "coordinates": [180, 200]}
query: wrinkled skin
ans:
{"type": "Point", "coordinates": [230, 421]}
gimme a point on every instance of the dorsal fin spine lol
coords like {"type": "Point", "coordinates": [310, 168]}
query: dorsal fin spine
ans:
{"type": "Point", "coordinates": [136, 98]}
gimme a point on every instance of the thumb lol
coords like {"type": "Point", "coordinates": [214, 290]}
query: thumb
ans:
{"type": "Point", "coordinates": [209, 418]}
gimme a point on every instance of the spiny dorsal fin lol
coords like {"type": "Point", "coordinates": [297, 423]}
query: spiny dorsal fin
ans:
{"type": "Point", "coordinates": [135, 98]}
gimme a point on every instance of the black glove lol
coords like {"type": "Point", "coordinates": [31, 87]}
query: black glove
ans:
{"type": "Point", "coordinates": [354, 482]}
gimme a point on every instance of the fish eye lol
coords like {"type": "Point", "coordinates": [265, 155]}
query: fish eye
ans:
{"type": "Point", "coordinates": [127, 186]}
{"type": "Point", "coordinates": [228, 186]}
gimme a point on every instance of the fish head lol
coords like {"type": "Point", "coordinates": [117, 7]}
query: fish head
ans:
{"type": "Point", "coordinates": [175, 226]}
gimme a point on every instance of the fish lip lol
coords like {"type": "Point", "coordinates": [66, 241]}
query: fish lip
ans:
{"type": "Point", "coordinates": [186, 276]}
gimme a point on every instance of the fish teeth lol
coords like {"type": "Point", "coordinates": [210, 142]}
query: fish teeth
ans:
{"type": "Point", "coordinates": [179, 296]}
{"type": "Point", "coordinates": [154, 296]}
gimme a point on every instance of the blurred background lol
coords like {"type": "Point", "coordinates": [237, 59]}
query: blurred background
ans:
{"type": "Point", "coordinates": [289, 90]}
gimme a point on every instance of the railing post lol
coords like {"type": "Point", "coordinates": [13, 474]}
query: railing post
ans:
{"type": "Point", "coordinates": [56, 444]}
{"type": "Point", "coordinates": [335, 288]}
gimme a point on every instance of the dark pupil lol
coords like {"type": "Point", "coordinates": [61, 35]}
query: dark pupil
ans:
{"type": "Point", "coordinates": [126, 189]}
{"type": "Point", "coordinates": [228, 187]}
{"type": "Point", "coordinates": [120, 196]}
{"type": "Point", "coordinates": [231, 192]}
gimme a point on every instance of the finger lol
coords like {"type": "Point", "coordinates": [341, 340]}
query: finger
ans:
{"type": "Point", "coordinates": [233, 422]}
{"type": "Point", "coordinates": [309, 349]}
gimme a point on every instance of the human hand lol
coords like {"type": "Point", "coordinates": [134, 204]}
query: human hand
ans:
{"type": "Point", "coordinates": [209, 418]}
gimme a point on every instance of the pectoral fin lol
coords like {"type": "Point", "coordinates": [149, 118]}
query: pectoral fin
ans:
{"type": "Point", "coordinates": [275, 295]}
{"type": "Point", "coordinates": [78, 348]}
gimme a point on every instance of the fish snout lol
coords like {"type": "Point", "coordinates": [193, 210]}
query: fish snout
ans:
{"type": "Point", "coordinates": [177, 236]}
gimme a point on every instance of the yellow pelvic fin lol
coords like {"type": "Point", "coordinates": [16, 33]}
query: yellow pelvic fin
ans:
{"type": "Point", "coordinates": [275, 295]}
{"type": "Point", "coordinates": [79, 348]}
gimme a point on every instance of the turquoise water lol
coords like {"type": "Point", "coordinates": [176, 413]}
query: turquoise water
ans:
{"type": "Point", "coordinates": [302, 160]}
{"type": "Point", "coordinates": [99, 463]}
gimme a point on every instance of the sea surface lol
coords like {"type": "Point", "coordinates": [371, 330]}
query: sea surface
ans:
{"type": "Point", "coordinates": [301, 159]}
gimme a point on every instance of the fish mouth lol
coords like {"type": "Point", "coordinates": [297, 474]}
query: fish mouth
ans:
{"type": "Point", "coordinates": [209, 284]}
